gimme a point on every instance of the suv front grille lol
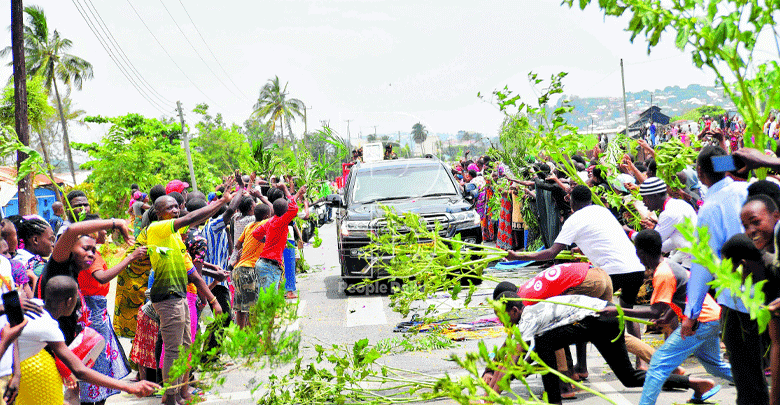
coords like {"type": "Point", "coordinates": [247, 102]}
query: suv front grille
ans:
{"type": "Point", "coordinates": [379, 225]}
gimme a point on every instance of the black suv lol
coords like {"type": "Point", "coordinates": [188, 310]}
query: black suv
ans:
{"type": "Point", "coordinates": [422, 186]}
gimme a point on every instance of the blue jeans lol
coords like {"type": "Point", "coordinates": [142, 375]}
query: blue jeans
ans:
{"type": "Point", "coordinates": [289, 268]}
{"type": "Point", "coordinates": [268, 273]}
{"type": "Point", "coordinates": [704, 344]}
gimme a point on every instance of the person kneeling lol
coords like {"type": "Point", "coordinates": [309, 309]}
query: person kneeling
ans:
{"type": "Point", "coordinates": [550, 326]}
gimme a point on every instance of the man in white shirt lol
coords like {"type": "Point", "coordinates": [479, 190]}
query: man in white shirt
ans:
{"type": "Point", "coordinates": [601, 238]}
{"type": "Point", "coordinates": [673, 212]}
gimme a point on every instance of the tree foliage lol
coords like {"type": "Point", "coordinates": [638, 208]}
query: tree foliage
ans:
{"type": "Point", "coordinates": [226, 146]}
{"type": "Point", "coordinates": [696, 113]}
{"type": "Point", "coordinates": [139, 150]}
{"type": "Point", "coordinates": [722, 35]}
{"type": "Point", "coordinates": [38, 108]}
{"type": "Point", "coordinates": [274, 104]}
{"type": "Point", "coordinates": [419, 133]}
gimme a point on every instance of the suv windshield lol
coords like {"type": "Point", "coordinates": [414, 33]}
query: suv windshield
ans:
{"type": "Point", "coordinates": [401, 182]}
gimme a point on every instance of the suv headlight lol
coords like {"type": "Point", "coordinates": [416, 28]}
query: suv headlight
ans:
{"type": "Point", "coordinates": [355, 228]}
{"type": "Point", "coordinates": [468, 217]}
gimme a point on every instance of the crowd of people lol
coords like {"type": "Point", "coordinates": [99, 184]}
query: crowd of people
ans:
{"type": "Point", "coordinates": [571, 205]}
{"type": "Point", "coordinates": [173, 268]}
{"type": "Point", "coordinates": [189, 250]}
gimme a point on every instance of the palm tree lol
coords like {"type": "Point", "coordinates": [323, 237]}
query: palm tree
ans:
{"type": "Point", "coordinates": [46, 55]}
{"type": "Point", "coordinates": [274, 105]}
{"type": "Point", "coordinates": [419, 134]}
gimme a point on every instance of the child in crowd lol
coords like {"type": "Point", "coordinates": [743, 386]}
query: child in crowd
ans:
{"type": "Point", "coordinates": [245, 278]}
{"type": "Point", "coordinates": [40, 381]}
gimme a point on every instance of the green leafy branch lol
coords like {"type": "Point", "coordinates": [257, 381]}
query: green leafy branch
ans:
{"type": "Point", "coordinates": [264, 343]}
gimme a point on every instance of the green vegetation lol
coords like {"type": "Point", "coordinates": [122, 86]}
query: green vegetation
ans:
{"type": "Point", "coordinates": [273, 104]}
{"type": "Point", "coordinates": [696, 113]}
{"type": "Point", "coordinates": [419, 134]}
{"type": "Point", "coordinates": [721, 35]}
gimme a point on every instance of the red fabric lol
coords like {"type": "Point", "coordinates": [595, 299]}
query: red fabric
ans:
{"type": "Point", "coordinates": [553, 281]}
{"type": "Point", "coordinates": [88, 284]}
{"type": "Point", "coordinates": [275, 233]}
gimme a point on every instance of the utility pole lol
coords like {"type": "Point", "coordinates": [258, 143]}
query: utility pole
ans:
{"type": "Point", "coordinates": [25, 187]}
{"type": "Point", "coordinates": [374, 131]}
{"type": "Point", "coordinates": [625, 107]}
{"type": "Point", "coordinates": [349, 137]}
{"type": "Point", "coordinates": [305, 121]}
{"type": "Point", "coordinates": [193, 182]}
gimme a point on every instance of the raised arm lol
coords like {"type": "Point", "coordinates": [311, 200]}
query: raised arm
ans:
{"type": "Point", "coordinates": [71, 235]}
{"type": "Point", "coordinates": [202, 214]}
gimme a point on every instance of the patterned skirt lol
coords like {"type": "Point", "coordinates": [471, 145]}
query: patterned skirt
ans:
{"type": "Point", "coordinates": [111, 363]}
{"type": "Point", "coordinates": [517, 213]}
{"type": "Point", "coordinates": [504, 240]}
{"type": "Point", "coordinates": [144, 341]}
{"type": "Point", "coordinates": [488, 229]}
{"type": "Point", "coordinates": [130, 287]}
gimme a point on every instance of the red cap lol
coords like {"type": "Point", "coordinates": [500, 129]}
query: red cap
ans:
{"type": "Point", "coordinates": [175, 185]}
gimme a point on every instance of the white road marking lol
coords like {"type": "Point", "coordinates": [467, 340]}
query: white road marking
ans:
{"type": "Point", "coordinates": [231, 396]}
{"type": "Point", "coordinates": [297, 324]}
{"type": "Point", "coordinates": [610, 391]}
{"type": "Point", "coordinates": [365, 311]}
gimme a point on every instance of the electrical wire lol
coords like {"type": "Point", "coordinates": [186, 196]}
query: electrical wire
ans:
{"type": "Point", "coordinates": [122, 53]}
{"type": "Point", "coordinates": [210, 51]}
{"type": "Point", "coordinates": [196, 51]}
{"type": "Point", "coordinates": [171, 57]}
{"type": "Point", "coordinates": [116, 62]}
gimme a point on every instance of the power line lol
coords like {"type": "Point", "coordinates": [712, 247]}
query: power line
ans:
{"type": "Point", "coordinates": [169, 55]}
{"type": "Point", "coordinates": [122, 53]}
{"type": "Point", "coordinates": [196, 51]}
{"type": "Point", "coordinates": [212, 52]}
{"type": "Point", "coordinates": [118, 65]}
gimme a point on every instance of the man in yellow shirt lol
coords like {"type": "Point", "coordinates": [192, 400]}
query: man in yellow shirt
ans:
{"type": "Point", "coordinates": [173, 270]}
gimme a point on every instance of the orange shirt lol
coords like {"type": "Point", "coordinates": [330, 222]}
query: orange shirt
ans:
{"type": "Point", "coordinates": [251, 247]}
{"type": "Point", "coordinates": [665, 290]}
{"type": "Point", "coordinates": [88, 284]}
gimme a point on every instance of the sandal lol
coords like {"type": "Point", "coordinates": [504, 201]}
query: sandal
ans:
{"type": "Point", "coordinates": [704, 397]}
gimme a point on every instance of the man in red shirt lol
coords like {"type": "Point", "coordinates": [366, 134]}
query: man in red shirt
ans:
{"type": "Point", "coordinates": [270, 266]}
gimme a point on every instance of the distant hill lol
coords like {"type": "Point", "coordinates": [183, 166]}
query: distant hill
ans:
{"type": "Point", "coordinates": [607, 112]}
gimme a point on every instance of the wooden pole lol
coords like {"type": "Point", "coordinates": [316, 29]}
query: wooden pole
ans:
{"type": "Point", "coordinates": [625, 106]}
{"type": "Point", "coordinates": [193, 182]}
{"type": "Point", "coordinates": [25, 187]}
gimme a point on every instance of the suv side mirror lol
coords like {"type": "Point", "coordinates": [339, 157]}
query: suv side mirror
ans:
{"type": "Point", "coordinates": [335, 200]}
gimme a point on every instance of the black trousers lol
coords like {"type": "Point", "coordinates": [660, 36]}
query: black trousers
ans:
{"type": "Point", "coordinates": [740, 335]}
{"type": "Point", "coordinates": [600, 332]}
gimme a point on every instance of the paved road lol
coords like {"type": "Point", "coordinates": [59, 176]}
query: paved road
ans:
{"type": "Point", "coordinates": [329, 315]}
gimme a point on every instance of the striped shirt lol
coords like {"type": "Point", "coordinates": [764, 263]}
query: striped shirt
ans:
{"type": "Point", "coordinates": [218, 250]}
